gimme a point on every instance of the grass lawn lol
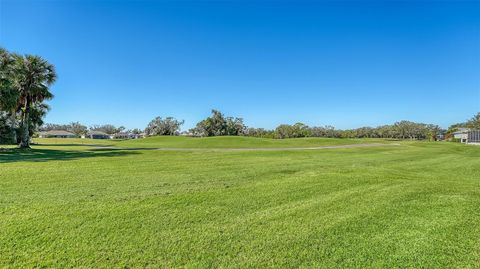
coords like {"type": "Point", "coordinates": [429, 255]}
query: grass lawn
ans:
{"type": "Point", "coordinates": [208, 142]}
{"type": "Point", "coordinates": [64, 204]}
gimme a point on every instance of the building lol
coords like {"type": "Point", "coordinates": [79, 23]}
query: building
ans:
{"type": "Point", "coordinates": [461, 134]}
{"type": "Point", "coordinates": [126, 135]}
{"type": "Point", "coordinates": [441, 135]}
{"type": "Point", "coordinates": [467, 135]}
{"type": "Point", "coordinates": [473, 137]}
{"type": "Point", "coordinates": [96, 135]}
{"type": "Point", "coordinates": [57, 134]}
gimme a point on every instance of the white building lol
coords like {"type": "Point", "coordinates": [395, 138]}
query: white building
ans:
{"type": "Point", "coordinates": [96, 135]}
{"type": "Point", "coordinates": [126, 135]}
{"type": "Point", "coordinates": [56, 134]}
{"type": "Point", "coordinates": [467, 135]}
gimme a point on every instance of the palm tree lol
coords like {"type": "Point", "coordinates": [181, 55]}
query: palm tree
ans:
{"type": "Point", "coordinates": [33, 76]}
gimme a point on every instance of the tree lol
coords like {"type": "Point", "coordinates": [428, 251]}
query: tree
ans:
{"type": "Point", "coordinates": [167, 126]}
{"type": "Point", "coordinates": [217, 125]}
{"type": "Point", "coordinates": [235, 126]}
{"type": "Point", "coordinates": [259, 132]}
{"type": "Point", "coordinates": [37, 113]}
{"type": "Point", "coordinates": [283, 131]}
{"type": "Point", "coordinates": [32, 78]}
{"type": "Point", "coordinates": [8, 94]}
{"type": "Point", "coordinates": [136, 131]}
{"type": "Point", "coordinates": [293, 131]}
{"type": "Point", "coordinates": [77, 128]}
{"type": "Point", "coordinates": [203, 128]}
{"type": "Point", "coordinates": [6, 130]}
{"type": "Point", "coordinates": [432, 131]}
{"type": "Point", "coordinates": [107, 128]}
{"type": "Point", "coordinates": [52, 126]}
{"type": "Point", "coordinates": [474, 122]}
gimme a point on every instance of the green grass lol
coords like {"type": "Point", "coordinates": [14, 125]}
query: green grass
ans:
{"type": "Point", "coordinates": [69, 205]}
{"type": "Point", "coordinates": [208, 142]}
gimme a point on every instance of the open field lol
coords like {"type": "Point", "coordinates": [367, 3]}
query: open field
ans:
{"type": "Point", "coordinates": [65, 204]}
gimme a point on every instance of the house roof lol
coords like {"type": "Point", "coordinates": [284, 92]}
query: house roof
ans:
{"type": "Point", "coordinates": [57, 132]}
{"type": "Point", "coordinates": [461, 131]}
{"type": "Point", "coordinates": [97, 133]}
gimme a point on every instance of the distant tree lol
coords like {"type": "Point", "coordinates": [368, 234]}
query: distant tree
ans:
{"type": "Point", "coordinates": [301, 130]}
{"type": "Point", "coordinates": [405, 129]}
{"type": "Point", "coordinates": [136, 131]}
{"type": "Point", "coordinates": [474, 122]}
{"type": "Point", "coordinates": [431, 131]}
{"type": "Point", "coordinates": [203, 128]}
{"type": "Point", "coordinates": [218, 125]}
{"type": "Point", "coordinates": [53, 126]}
{"type": "Point", "coordinates": [283, 131]}
{"type": "Point", "coordinates": [107, 128]}
{"type": "Point", "coordinates": [77, 128]}
{"type": "Point", "coordinates": [259, 132]}
{"type": "Point", "coordinates": [235, 126]}
{"type": "Point", "coordinates": [331, 132]}
{"type": "Point", "coordinates": [73, 127]}
{"type": "Point", "coordinates": [293, 131]}
{"type": "Point", "coordinates": [160, 126]}
{"type": "Point", "coordinates": [327, 131]}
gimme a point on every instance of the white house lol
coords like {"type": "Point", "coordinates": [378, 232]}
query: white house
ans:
{"type": "Point", "coordinates": [126, 135]}
{"type": "Point", "coordinates": [467, 135]}
{"type": "Point", "coordinates": [461, 134]}
{"type": "Point", "coordinates": [96, 135]}
{"type": "Point", "coordinates": [56, 134]}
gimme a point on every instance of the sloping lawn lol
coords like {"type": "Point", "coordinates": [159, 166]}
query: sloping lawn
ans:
{"type": "Point", "coordinates": [68, 205]}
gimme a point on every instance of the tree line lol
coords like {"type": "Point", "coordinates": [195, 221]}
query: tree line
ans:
{"type": "Point", "coordinates": [79, 129]}
{"type": "Point", "coordinates": [219, 125]}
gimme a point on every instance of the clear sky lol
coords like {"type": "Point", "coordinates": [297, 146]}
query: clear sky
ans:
{"type": "Point", "coordinates": [347, 64]}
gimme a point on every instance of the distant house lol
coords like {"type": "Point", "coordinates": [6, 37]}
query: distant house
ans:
{"type": "Point", "coordinates": [467, 135]}
{"type": "Point", "coordinates": [186, 133]}
{"type": "Point", "coordinates": [461, 134]}
{"type": "Point", "coordinates": [441, 135]}
{"type": "Point", "coordinates": [96, 135]}
{"type": "Point", "coordinates": [126, 135]}
{"type": "Point", "coordinates": [57, 134]}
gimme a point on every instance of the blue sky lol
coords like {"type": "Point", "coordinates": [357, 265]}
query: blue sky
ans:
{"type": "Point", "coordinates": [347, 64]}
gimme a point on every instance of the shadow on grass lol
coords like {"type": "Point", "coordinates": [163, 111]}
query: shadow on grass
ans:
{"type": "Point", "coordinates": [44, 155]}
{"type": "Point", "coordinates": [73, 145]}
